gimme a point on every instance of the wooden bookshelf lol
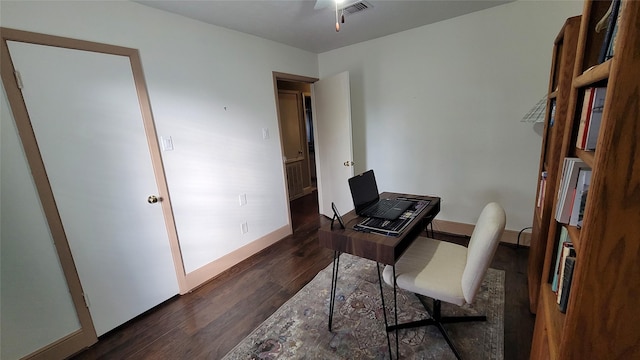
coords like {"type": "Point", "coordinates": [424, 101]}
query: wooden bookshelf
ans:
{"type": "Point", "coordinates": [562, 62]}
{"type": "Point", "coordinates": [602, 320]}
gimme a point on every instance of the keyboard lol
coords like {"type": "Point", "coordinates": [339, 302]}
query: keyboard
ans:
{"type": "Point", "coordinates": [380, 208]}
{"type": "Point", "coordinates": [389, 209]}
{"type": "Point", "coordinates": [392, 227]}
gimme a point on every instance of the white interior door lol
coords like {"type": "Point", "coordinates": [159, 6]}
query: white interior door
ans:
{"type": "Point", "coordinates": [86, 117]}
{"type": "Point", "coordinates": [334, 150]}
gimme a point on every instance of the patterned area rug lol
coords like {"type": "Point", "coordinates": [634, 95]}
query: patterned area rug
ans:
{"type": "Point", "coordinates": [299, 329]}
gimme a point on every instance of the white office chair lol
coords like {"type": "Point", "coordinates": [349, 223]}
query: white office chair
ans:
{"type": "Point", "coordinates": [449, 272]}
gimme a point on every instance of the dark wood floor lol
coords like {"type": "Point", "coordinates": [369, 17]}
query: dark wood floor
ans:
{"type": "Point", "coordinates": [210, 321]}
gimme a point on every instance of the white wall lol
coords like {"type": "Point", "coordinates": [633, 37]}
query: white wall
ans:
{"type": "Point", "coordinates": [462, 85]}
{"type": "Point", "coordinates": [451, 95]}
{"type": "Point", "coordinates": [36, 307]}
{"type": "Point", "coordinates": [212, 91]}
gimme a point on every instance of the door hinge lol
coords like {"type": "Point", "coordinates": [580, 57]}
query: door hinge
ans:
{"type": "Point", "coordinates": [18, 79]}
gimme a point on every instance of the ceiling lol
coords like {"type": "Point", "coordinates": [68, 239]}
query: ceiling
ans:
{"type": "Point", "coordinates": [299, 24]}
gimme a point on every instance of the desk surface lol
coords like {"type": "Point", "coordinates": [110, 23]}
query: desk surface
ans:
{"type": "Point", "coordinates": [380, 248]}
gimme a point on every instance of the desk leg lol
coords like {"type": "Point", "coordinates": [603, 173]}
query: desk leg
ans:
{"type": "Point", "coordinates": [429, 224]}
{"type": "Point", "coordinates": [334, 284]}
{"type": "Point", "coordinates": [395, 310]}
{"type": "Point", "coordinates": [384, 311]}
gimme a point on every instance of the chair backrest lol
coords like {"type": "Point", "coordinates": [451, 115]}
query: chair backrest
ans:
{"type": "Point", "coordinates": [482, 246]}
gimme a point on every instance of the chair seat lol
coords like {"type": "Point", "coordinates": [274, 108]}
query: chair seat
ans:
{"type": "Point", "coordinates": [431, 268]}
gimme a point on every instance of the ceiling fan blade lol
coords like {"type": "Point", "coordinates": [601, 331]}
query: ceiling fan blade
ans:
{"type": "Point", "coordinates": [321, 4]}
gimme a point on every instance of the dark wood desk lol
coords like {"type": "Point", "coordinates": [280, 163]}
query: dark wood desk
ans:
{"type": "Point", "coordinates": [380, 248]}
{"type": "Point", "coordinates": [376, 247]}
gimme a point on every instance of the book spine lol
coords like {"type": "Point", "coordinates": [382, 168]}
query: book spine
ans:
{"type": "Point", "coordinates": [584, 179]}
{"type": "Point", "coordinates": [585, 116]}
{"type": "Point", "coordinates": [567, 251]}
{"type": "Point", "coordinates": [542, 189]}
{"type": "Point", "coordinates": [569, 265]}
{"type": "Point", "coordinates": [564, 236]}
{"type": "Point", "coordinates": [583, 203]}
{"type": "Point", "coordinates": [596, 117]}
{"type": "Point", "coordinates": [565, 166]}
{"type": "Point", "coordinates": [569, 183]}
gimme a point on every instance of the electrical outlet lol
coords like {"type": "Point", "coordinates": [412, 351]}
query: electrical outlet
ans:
{"type": "Point", "coordinates": [243, 199]}
{"type": "Point", "coordinates": [244, 228]}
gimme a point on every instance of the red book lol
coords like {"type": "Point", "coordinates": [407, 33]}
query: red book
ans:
{"type": "Point", "coordinates": [585, 118]}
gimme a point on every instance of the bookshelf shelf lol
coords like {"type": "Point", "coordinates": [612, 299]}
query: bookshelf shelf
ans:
{"type": "Point", "coordinates": [586, 156]}
{"type": "Point", "coordinates": [593, 75]}
{"type": "Point", "coordinates": [602, 320]}
{"type": "Point", "coordinates": [574, 235]}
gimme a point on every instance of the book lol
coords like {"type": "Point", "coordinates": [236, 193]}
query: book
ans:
{"type": "Point", "coordinates": [569, 182]}
{"type": "Point", "coordinates": [585, 114]}
{"type": "Point", "coordinates": [542, 189]}
{"type": "Point", "coordinates": [612, 41]}
{"type": "Point", "coordinates": [564, 237]}
{"type": "Point", "coordinates": [565, 163]}
{"type": "Point", "coordinates": [569, 265]}
{"type": "Point", "coordinates": [593, 127]}
{"type": "Point", "coordinates": [611, 29]}
{"type": "Point", "coordinates": [583, 203]}
{"type": "Point", "coordinates": [582, 186]}
{"type": "Point", "coordinates": [567, 251]}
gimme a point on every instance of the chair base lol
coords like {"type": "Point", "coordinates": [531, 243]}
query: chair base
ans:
{"type": "Point", "coordinates": [438, 320]}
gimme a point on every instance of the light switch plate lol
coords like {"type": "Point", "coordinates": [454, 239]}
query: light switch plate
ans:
{"type": "Point", "coordinates": [167, 143]}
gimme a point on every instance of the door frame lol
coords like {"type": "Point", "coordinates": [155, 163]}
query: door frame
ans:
{"type": "Point", "coordinates": [296, 78]}
{"type": "Point", "coordinates": [86, 335]}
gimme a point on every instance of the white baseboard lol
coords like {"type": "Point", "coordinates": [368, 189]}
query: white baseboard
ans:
{"type": "Point", "coordinates": [200, 276]}
{"type": "Point", "coordinates": [509, 236]}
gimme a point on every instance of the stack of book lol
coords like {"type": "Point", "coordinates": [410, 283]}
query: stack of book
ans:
{"type": "Point", "coordinates": [590, 117]}
{"type": "Point", "coordinates": [563, 274]}
{"type": "Point", "coordinates": [580, 197]}
{"type": "Point", "coordinates": [572, 194]}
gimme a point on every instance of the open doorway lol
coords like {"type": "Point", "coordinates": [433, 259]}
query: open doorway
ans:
{"type": "Point", "coordinates": [295, 117]}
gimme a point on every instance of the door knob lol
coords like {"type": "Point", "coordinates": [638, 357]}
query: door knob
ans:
{"type": "Point", "coordinates": [348, 163]}
{"type": "Point", "coordinates": [152, 199]}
